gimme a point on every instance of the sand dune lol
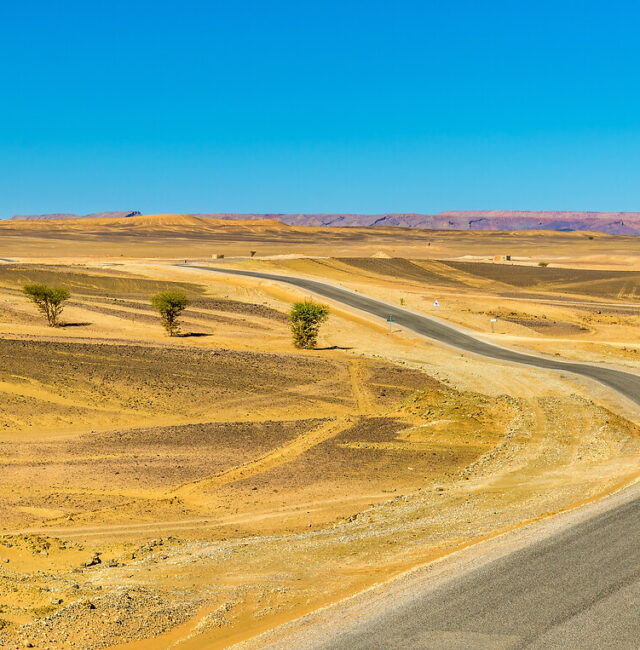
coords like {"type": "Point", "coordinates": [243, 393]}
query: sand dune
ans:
{"type": "Point", "coordinates": [134, 223]}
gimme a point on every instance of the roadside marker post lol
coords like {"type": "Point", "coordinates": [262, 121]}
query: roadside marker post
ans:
{"type": "Point", "coordinates": [493, 322]}
{"type": "Point", "coordinates": [390, 319]}
{"type": "Point", "coordinates": [436, 304]}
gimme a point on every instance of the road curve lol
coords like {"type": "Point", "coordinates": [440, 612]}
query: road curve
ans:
{"type": "Point", "coordinates": [578, 588]}
{"type": "Point", "coordinates": [625, 383]}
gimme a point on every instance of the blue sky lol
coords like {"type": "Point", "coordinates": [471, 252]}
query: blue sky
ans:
{"type": "Point", "coordinates": [318, 107]}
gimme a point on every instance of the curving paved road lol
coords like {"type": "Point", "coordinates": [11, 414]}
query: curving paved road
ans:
{"type": "Point", "coordinates": [625, 383]}
{"type": "Point", "coordinates": [579, 588]}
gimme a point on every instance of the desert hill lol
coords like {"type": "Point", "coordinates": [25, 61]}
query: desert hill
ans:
{"type": "Point", "coordinates": [134, 222]}
{"type": "Point", "coordinates": [183, 236]}
{"type": "Point", "coordinates": [615, 223]}
{"type": "Point", "coordinates": [68, 215]}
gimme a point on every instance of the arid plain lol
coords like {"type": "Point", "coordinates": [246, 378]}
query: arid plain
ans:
{"type": "Point", "coordinates": [193, 492]}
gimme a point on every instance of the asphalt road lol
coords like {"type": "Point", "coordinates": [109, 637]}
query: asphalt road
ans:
{"type": "Point", "coordinates": [625, 383]}
{"type": "Point", "coordinates": [579, 588]}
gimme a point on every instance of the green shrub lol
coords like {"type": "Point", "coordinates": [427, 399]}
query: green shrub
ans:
{"type": "Point", "coordinates": [306, 318]}
{"type": "Point", "coordinates": [170, 304]}
{"type": "Point", "coordinates": [49, 300]}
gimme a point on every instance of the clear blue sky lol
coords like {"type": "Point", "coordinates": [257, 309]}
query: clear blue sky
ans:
{"type": "Point", "coordinates": [318, 106]}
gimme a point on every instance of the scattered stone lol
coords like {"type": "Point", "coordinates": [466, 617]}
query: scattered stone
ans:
{"type": "Point", "coordinates": [93, 561]}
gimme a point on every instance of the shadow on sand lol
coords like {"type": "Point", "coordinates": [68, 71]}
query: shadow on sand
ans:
{"type": "Point", "coordinates": [332, 347]}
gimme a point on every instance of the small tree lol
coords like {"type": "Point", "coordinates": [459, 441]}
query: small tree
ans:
{"type": "Point", "coordinates": [306, 318]}
{"type": "Point", "coordinates": [49, 300]}
{"type": "Point", "coordinates": [170, 304]}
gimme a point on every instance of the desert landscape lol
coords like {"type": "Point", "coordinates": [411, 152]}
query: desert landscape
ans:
{"type": "Point", "coordinates": [200, 490]}
{"type": "Point", "coordinates": [614, 223]}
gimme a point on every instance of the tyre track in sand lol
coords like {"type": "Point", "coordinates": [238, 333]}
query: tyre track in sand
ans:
{"type": "Point", "coordinates": [365, 405]}
{"type": "Point", "coordinates": [361, 393]}
{"type": "Point", "coordinates": [190, 491]}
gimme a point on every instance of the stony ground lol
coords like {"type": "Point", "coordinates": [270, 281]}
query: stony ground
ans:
{"type": "Point", "coordinates": [192, 492]}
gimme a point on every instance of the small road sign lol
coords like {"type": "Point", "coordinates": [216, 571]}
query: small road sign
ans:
{"type": "Point", "coordinates": [436, 304]}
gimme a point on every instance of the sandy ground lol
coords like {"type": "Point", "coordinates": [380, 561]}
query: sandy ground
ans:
{"type": "Point", "coordinates": [184, 236]}
{"type": "Point", "coordinates": [582, 314]}
{"type": "Point", "coordinates": [194, 492]}
{"type": "Point", "coordinates": [371, 605]}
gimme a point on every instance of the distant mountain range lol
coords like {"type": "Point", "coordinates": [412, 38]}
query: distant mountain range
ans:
{"type": "Point", "coordinates": [616, 223]}
{"type": "Point", "coordinates": [68, 215]}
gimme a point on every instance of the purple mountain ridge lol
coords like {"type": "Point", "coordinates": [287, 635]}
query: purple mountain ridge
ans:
{"type": "Point", "coordinates": [615, 223]}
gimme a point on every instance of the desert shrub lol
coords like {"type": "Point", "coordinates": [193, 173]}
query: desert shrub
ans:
{"type": "Point", "coordinates": [543, 263]}
{"type": "Point", "coordinates": [170, 304]}
{"type": "Point", "coordinates": [49, 300]}
{"type": "Point", "coordinates": [306, 318]}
